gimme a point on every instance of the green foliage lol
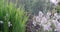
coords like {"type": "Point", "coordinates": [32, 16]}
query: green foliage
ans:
{"type": "Point", "coordinates": [59, 19]}
{"type": "Point", "coordinates": [17, 16]}
{"type": "Point", "coordinates": [34, 6]}
{"type": "Point", "coordinates": [58, 9]}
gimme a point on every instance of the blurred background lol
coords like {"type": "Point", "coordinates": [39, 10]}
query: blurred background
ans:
{"type": "Point", "coordinates": [29, 15]}
{"type": "Point", "coordinates": [34, 6]}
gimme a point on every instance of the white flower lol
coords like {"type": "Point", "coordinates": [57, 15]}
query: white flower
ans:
{"type": "Point", "coordinates": [44, 20]}
{"type": "Point", "coordinates": [40, 14]}
{"type": "Point", "coordinates": [37, 19]}
{"type": "Point", "coordinates": [9, 24]}
{"type": "Point", "coordinates": [55, 22]}
{"type": "Point", "coordinates": [58, 27]}
{"type": "Point", "coordinates": [1, 21]}
{"type": "Point", "coordinates": [56, 16]}
{"type": "Point", "coordinates": [49, 23]}
{"type": "Point", "coordinates": [55, 29]}
{"type": "Point", "coordinates": [54, 1]}
{"type": "Point", "coordinates": [48, 13]}
{"type": "Point", "coordinates": [34, 23]}
{"type": "Point", "coordinates": [46, 27]}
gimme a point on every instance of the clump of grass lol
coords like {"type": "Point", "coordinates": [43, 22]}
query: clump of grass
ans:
{"type": "Point", "coordinates": [17, 17]}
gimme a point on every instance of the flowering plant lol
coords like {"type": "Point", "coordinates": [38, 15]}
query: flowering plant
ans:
{"type": "Point", "coordinates": [47, 22]}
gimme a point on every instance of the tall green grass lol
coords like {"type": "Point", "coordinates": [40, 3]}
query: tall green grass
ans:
{"type": "Point", "coordinates": [17, 16]}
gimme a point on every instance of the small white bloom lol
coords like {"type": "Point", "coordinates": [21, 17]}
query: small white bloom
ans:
{"type": "Point", "coordinates": [54, 1]}
{"type": "Point", "coordinates": [55, 29]}
{"type": "Point", "coordinates": [9, 24]}
{"type": "Point", "coordinates": [44, 20]}
{"type": "Point", "coordinates": [58, 27]}
{"type": "Point", "coordinates": [46, 27]}
{"type": "Point", "coordinates": [48, 13]}
{"type": "Point", "coordinates": [37, 19]}
{"type": "Point", "coordinates": [40, 14]}
{"type": "Point", "coordinates": [34, 23]}
{"type": "Point", "coordinates": [55, 22]}
{"type": "Point", "coordinates": [49, 23]}
{"type": "Point", "coordinates": [1, 21]}
{"type": "Point", "coordinates": [56, 16]}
